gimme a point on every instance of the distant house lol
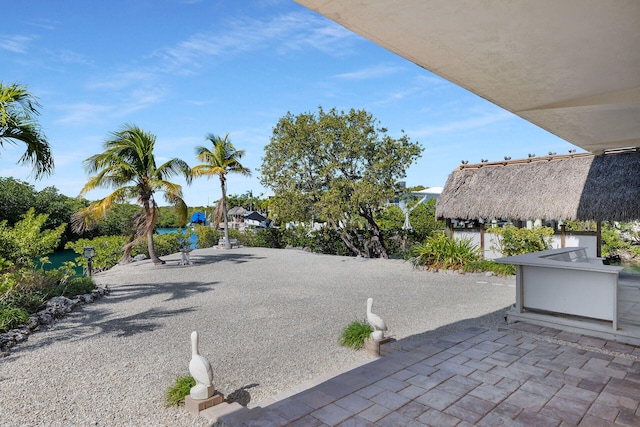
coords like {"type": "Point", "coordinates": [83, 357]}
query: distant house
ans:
{"type": "Point", "coordinates": [255, 219]}
{"type": "Point", "coordinates": [236, 215]}
{"type": "Point", "coordinates": [241, 219]}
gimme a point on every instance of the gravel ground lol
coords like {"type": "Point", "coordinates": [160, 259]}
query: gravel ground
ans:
{"type": "Point", "coordinates": [268, 320]}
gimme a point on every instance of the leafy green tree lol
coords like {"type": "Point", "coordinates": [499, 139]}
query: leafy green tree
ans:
{"type": "Point", "coordinates": [423, 220]}
{"type": "Point", "coordinates": [336, 167]}
{"type": "Point", "coordinates": [128, 165]}
{"type": "Point", "coordinates": [120, 220]}
{"type": "Point", "coordinates": [59, 209]}
{"type": "Point", "coordinates": [16, 197]}
{"type": "Point", "coordinates": [18, 111]}
{"type": "Point", "coordinates": [220, 160]}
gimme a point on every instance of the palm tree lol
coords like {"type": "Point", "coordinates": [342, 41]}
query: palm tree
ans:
{"type": "Point", "coordinates": [222, 159]}
{"type": "Point", "coordinates": [128, 165]}
{"type": "Point", "coordinates": [18, 109]}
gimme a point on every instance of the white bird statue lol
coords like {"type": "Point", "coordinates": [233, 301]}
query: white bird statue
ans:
{"type": "Point", "coordinates": [376, 322]}
{"type": "Point", "coordinates": [200, 370]}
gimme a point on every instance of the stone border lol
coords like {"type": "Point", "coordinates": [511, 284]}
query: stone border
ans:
{"type": "Point", "coordinates": [55, 308]}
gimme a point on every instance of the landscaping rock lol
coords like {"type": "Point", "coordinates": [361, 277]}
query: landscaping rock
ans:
{"type": "Point", "coordinates": [55, 308]}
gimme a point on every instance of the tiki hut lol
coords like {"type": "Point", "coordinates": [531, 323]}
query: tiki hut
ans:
{"type": "Point", "coordinates": [558, 187]}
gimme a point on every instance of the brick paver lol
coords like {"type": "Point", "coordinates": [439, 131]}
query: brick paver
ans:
{"type": "Point", "coordinates": [522, 376]}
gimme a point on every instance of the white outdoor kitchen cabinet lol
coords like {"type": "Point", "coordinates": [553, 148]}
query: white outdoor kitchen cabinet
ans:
{"type": "Point", "coordinates": [565, 283]}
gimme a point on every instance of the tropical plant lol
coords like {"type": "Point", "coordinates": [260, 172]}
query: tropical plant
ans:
{"type": "Point", "coordinates": [176, 393]}
{"type": "Point", "coordinates": [517, 241]}
{"type": "Point", "coordinates": [18, 111]}
{"type": "Point", "coordinates": [207, 236]}
{"type": "Point", "coordinates": [26, 240]}
{"type": "Point", "coordinates": [441, 252]}
{"type": "Point", "coordinates": [355, 333]}
{"type": "Point", "coordinates": [220, 160]}
{"type": "Point", "coordinates": [128, 165]}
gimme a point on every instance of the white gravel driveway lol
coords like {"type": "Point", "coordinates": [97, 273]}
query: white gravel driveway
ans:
{"type": "Point", "coordinates": [268, 320]}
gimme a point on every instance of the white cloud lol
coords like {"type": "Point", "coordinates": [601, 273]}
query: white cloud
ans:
{"type": "Point", "coordinates": [294, 31]}
{"type": "Point", "coordinates": [369, 73]}
{"type": "Point", "coordinates": [16, 43]}
{"type": "Point", "coordinates": [82, 113]}
{"type": "Point", "coordinates": [121, 80]}
{"type": "Point", "coordinates": [470, 123]}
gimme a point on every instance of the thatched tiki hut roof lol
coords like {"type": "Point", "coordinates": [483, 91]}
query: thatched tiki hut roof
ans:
{"type": "Point", "coordinates": [565, 187]}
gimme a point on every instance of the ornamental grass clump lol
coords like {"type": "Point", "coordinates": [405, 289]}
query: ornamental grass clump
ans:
{"type": "Point", "coordinates": [176, 393]}
{"type": "Point", "coordinates": [355, 333]}
{"type": "Point", "coordinates": [440, 252]}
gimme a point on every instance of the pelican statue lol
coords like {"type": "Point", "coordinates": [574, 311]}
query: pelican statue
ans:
{"type": "Point", "coordinates": [376, 322]}
{"type": "Point", "coordinates": [200, 370]}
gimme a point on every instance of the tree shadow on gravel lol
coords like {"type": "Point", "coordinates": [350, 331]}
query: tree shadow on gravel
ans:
{"type": "Point", "coordinates": [81, 326]}
{"type": "Point", "coordinates": [175, 290]}
{"type": "Point", "coordinates": [223, 255]}
{"type": "Point", "coordinates": [241, 395]}
{"type": "Point", "coordinates": [80, 321]}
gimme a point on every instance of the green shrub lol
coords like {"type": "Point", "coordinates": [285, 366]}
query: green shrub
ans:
{"type": "Point", "coordinates": [517, 241]}
{"type": "Point", "coordinates": [354, 334]}
{"type": "Point", "coordinates": [268, 238]}
{"type": "Point", "coordinates": [71, 287]}
{"type": "Point", "coordinates": [298, 237]}
{"type": "Point", "coordinates": [176, 393]}
{"type": "Point", "coordinates": [108, 251]}
{"type": "Point", "coordinates": [207, 236]}
{"type": "Point", "coordinates": [441, 252]}
{"type": "Point", "coordinates": [21, 243]}
{"type": "Point", "coordinates": [164, 244]}
{"type": "Point", "coordinates": [482, 265]}
{"type": "Point", "coordinates": [12, 317]}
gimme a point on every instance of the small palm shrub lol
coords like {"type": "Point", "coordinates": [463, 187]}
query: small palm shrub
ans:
{"type": "Point", "coordinates": [355, 333]}
{"type": "Point", "coordinates": [441, 252]}
{"type": "Point", "coordinates": [176, 393]}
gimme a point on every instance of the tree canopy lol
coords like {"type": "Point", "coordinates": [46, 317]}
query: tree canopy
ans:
{"type": "Point", "coordinates": [18, 111]}
{"type": "Point", "coordinates": [339, 168]}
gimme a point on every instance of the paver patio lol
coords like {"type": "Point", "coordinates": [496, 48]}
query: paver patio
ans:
{"type": "Point", "coordinates": [523, 375]}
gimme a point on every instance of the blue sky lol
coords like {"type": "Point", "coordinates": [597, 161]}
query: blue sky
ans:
{"type": "Point", "coordinates": [183, 69]}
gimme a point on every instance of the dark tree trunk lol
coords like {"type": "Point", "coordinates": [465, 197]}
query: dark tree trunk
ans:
{"type": "Point", "coordinates": [346, 238]}
{"type": "Point", "coordinates": [375, 246]}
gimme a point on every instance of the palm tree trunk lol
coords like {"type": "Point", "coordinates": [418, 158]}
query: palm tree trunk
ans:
{"type": "Point", "coordinates": [126, 257]}
{"type": "Point", "coordinates": [150, 222]}
{"type": "Point", "coordinates": [227, 243]}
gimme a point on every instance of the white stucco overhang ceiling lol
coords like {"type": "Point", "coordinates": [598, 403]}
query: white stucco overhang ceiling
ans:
{"type": "Point", "coordinates": [571, 67]}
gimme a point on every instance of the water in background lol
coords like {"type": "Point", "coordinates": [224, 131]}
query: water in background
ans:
{"type": "Point", "coordinates": [57, 258]}
{"type": "Point", "coordinates": [193, 239]}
